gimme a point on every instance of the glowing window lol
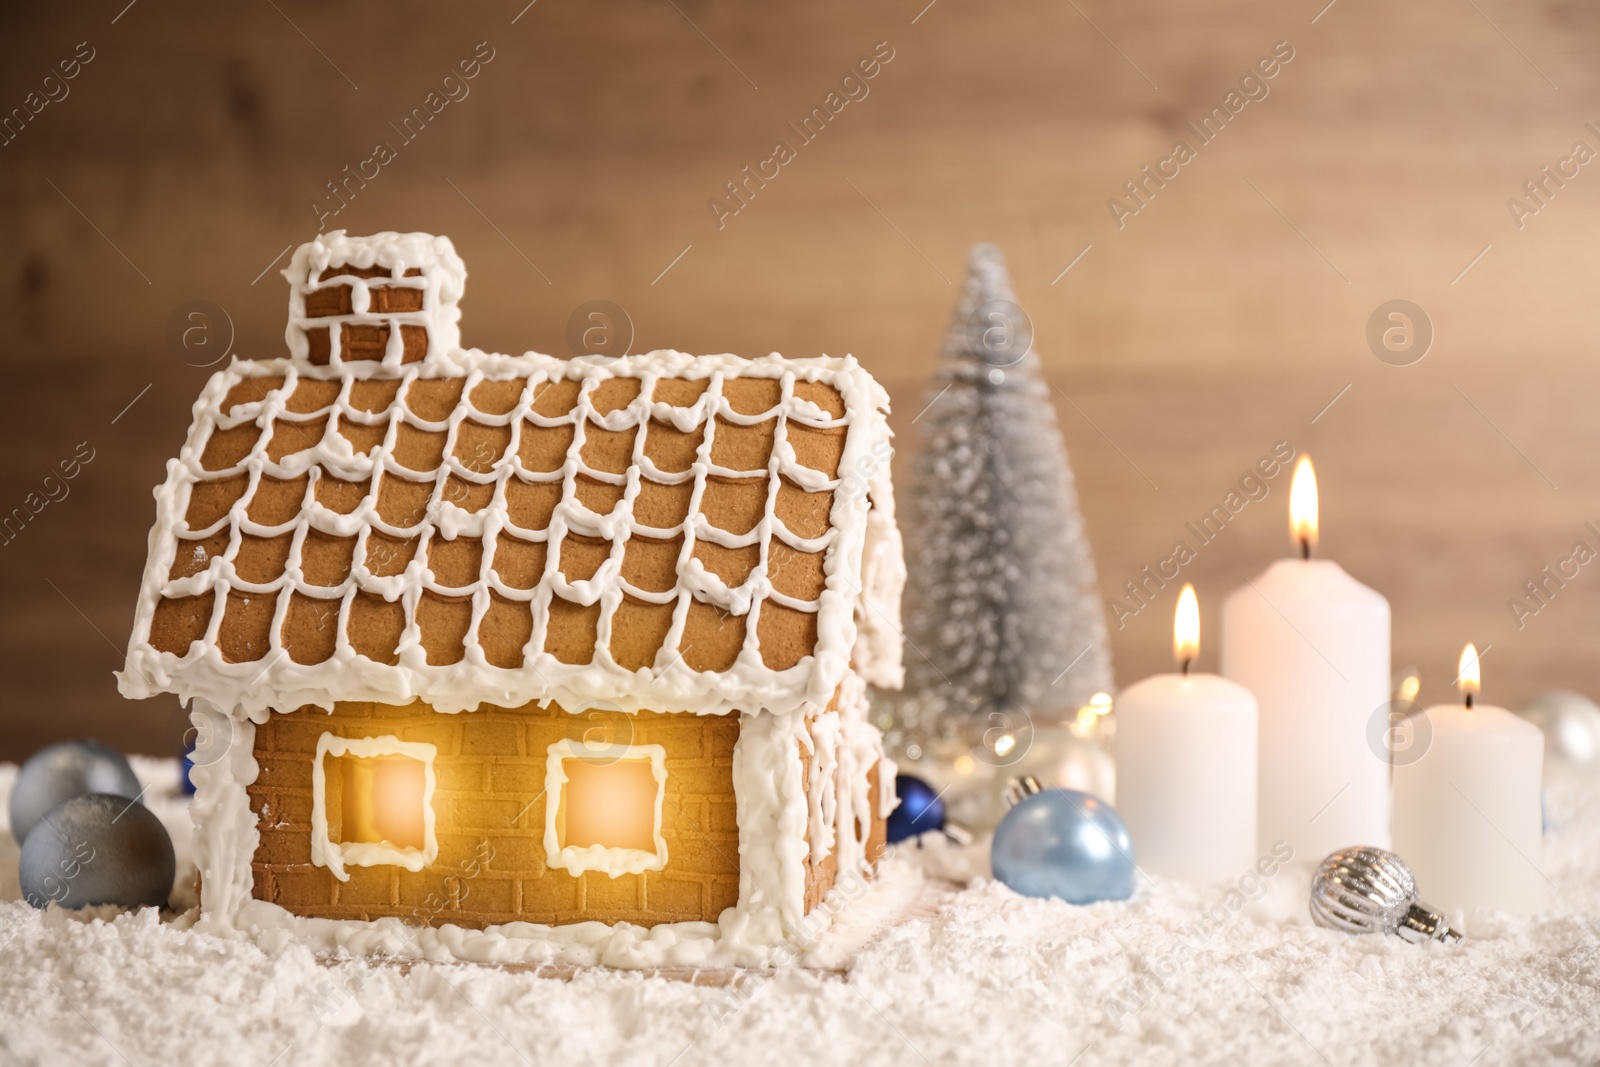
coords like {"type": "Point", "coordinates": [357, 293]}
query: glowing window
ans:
{"type": "Point", "coordinates": [372, 803]}
{"type": "Point", "coordinates": [603, 808]}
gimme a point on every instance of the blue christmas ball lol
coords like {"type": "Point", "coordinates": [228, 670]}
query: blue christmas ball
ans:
{"type": "Point", "coordinates": [185, 766]}
{"type": "Point", "coordinates": [63, 771]}
{"type": "Point", "coordinates": [919, 811]}
{"type": "Point", "coordinates": [98, 849]}
{"type": "Point", "coordinates": [1067, 844]}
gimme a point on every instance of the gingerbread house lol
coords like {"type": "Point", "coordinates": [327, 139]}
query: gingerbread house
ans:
{"type": "Point", "coordinates": [517, 658]}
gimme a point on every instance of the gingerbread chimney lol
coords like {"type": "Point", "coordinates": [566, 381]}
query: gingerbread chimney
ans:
{"type": "Point", "coordinates": [389, 298]}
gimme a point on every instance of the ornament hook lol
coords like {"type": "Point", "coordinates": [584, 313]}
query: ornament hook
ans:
{"type": "Point", "coordinates": [1019, 789]}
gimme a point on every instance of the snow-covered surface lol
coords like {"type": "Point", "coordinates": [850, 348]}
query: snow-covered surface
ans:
{"type": "Point", "coordinates": [920, 972]}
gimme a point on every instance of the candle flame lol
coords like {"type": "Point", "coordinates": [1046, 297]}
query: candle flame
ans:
{"type": "Point", "coordinates": [1410, 686]}
{"type": "Point", "coordinates": [1186, 627]}
{"type": "Point", "coordinates": [1470, 678]}
{"type": "Point", "coordinates": [1303, 505]}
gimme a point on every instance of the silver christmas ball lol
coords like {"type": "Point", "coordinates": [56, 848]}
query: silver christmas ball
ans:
{"type": "Point", "coordinates": [1365, 890]}
{"type": "Point", "coordinates": [1571, 725]}
{"type": "Point", "coordinates": [62, 771]}
{"type": "Point", "coordinates": [97, 849]}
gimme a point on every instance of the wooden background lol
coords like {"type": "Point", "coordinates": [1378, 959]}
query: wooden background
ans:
{"type": "Point", "coordinates": [1225, 316]}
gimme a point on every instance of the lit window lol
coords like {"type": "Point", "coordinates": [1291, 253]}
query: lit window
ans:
{"type": "Point", "coordinates": [603, 808]}
{"type": "Point", "coordinates": [372, 803]}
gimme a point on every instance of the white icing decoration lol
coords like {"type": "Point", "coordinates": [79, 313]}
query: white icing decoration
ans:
{"type": "Point", "coordinates": [772, 815]}
{"type": "Point", "coordinates": [335, 855]}
{"type": "Point", "coordinates": [822, 788]}
{"type": "Point", "coordinates": [879, 639]}
{"type": "Point", "coordinates": [612, 861]}
{"type": "Point", "coordinates": [860, 749]}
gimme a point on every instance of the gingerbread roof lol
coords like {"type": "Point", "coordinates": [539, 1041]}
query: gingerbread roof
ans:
{"type": "Point", "coordinates": [385, 517]}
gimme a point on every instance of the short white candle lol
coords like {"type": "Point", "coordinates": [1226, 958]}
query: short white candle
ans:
{"type": "Point", "coordinates": [1466, 809]}
{"type": "Point", "coordinates": [1186, 766]}
{"type": "Point", "coordinates": [1312, 644]}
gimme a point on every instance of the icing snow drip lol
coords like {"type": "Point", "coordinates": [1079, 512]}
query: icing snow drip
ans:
{"type": "Point", "coordinates": [296, 452]}
{"type": "Point", "coordinates": [879, 641]}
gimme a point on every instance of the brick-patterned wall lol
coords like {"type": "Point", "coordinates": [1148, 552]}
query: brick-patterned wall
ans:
{"type": "Point", "coordinates": [491, 771]}
{"type": "Point", "coordinates": [364, 340]}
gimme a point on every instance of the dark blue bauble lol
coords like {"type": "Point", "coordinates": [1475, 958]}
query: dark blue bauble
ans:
{"type": "Point", "coordinates": [186, 765]}
{"type": "Point", "coordinates": [920, 809]}
{"type": "Point", "coordinates": [63, 771]}
{"type": "Point", "coordinates": [98, 849]}
{"type": "Point", "coordinates": [1066, 844]}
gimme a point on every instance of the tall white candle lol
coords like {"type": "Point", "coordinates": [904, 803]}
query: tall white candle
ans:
{"type": "Point", "coordinates": [1466, 809]}
{"type": "Point", "coordinates": [1186, 766]}
{"type": "Point", "coordinates": [1312, 644]}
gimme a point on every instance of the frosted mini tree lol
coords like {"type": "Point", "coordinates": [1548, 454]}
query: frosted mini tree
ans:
{"type": "Point", "coordinates": [1002, 606]}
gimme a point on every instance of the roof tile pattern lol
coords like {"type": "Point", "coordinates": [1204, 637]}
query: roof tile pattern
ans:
{"type": "Point", "coordinates": [665, 515]}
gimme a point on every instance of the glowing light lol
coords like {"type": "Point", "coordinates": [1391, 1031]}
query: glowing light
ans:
{"type": "Point", "coordinates": [1003, 744]}
{"type": "Point", "coordinates": [1410, 686]}
{"type": "Point", "coordinates": [610, 803]}
{"type": "Point", "coordinates": [382, 800]}
{"type": "Point", "coordinates": [1186, 628]}
{"type": "Point", "coordinates": [1470, 677]}
{"type": "Point", "coordinates": [1101, 703]}
{"type": "Point", "coordinates": [964, 764]}
{"type": "Point", "coordinates": [1303, 506]}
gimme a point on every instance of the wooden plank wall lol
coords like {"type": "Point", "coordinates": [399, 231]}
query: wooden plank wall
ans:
{"type": "Point", "coordinates": [1227, 314]}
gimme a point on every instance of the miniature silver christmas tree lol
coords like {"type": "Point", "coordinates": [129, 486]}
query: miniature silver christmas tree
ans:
{"type": "Point", "coordinates": [1002, 608]}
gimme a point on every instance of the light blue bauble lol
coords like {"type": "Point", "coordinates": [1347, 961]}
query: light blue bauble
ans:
{"type": "Point", "coordinates": [1066, 844]}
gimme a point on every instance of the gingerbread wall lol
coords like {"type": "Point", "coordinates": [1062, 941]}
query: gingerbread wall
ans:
{"type": "Point", "coordinates": [490, 812]}
{"type": "Point", "coordinates": [820, 875]}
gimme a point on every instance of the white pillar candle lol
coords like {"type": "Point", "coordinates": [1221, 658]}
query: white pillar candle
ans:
{"type": "Point", "coordinates": [1312, 644]}
{"type": "Point", "coordinates": [1186, 766]}
{"type": "Point", "coordinates": [1466, 810]}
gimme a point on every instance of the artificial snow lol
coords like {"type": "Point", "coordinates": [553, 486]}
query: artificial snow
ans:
{"type": "Point", "coordinates": [920, 971]}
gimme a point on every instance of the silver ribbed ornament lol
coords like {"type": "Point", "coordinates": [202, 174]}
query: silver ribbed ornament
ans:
{"type": "Point", "coordinates": [1366, 890]}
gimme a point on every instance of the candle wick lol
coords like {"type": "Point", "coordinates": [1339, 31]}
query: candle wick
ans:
{"type": "Point", "coordinates": [1186, 663]}
{"type": "Point", "coordinates": [1305, 548]}
{"type": "Point", "coordinates": [1469, 700]}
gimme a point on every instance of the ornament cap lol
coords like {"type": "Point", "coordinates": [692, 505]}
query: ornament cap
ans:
{"type": "Point", "coordinates": [1020, 789]}
{"type": "Point", "coordinates": [1421, 923]}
